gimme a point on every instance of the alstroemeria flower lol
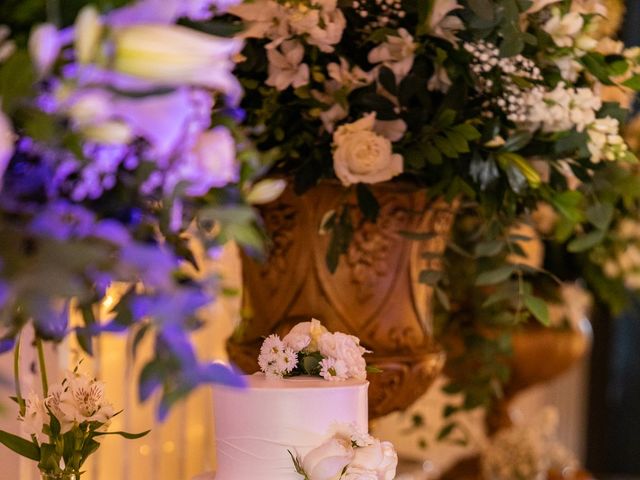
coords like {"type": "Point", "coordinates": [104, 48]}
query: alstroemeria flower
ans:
{"type": "Point", "coordinates": [397, 53]}
{"type": "Point", "coordinates": [443, 25]}
{"type": "Point", "coordinates": [286, 67]}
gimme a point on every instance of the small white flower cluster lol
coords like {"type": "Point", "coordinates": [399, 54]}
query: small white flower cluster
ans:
{"type": "Point", "coordinates": [276, 359]}
{"type": "Point", "coordinates": [341, 356]}
{"type": "Point", "coordinates": [605, 141]}
{"type": "Point", "coordinates": [513, 100]}
{"type": "Point", "coordinates": [623, 260]}
{"type": "Point", "coordinates": [562, 109]}
{"type": "Point", "coordinates": [76, 400]}
{"type": "Point", "coordinates": [527, 452]}
{"type": "Point", "coordinates": [382, 13]}
{"type": "Point", "coordinates": [350, 454]}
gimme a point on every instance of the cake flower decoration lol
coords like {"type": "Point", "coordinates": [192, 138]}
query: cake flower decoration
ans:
{"type": "Point", "coordinates": [310, 349]}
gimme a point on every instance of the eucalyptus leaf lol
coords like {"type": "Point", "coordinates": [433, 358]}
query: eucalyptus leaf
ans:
{"type": "Point", "coordinates": [538, 309]}
{"type": "Point", "coordinates": [492, 277]}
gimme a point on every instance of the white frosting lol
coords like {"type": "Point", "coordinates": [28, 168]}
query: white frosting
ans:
{"type": "Point", "coordinates": [255, 427]}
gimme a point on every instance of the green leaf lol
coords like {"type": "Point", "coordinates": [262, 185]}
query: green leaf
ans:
{"type": "Point", "coordinates": [597, 65]}
{"type": "Point", "coordinates": [482, 8]}
{"type": "Point", "coordinates": [311, 364]}
{"type": "Point", "coordinates": [128, 436]}
{"type": "Point", "coordinates": [491, 277]}
{"type": "Point", "coordinates": [458, 141]}
{"type": "Point", "coordinates": [469, 132]}
{"type": "Point", "coordinates": [445, 146]}
{"type": "Point", "coordinates": [586, 242]}
{"type": "Point", "coordinates": [19, 445]}
{"type": "Point", "coordinates": [538, 309]}
{"type": "Point", "coordinates": [569, 205]}
{"type": "Point", "coordinates": [600, 215]}
{"type": "Point", "coordinates": [489, 248]}
{"type": "Point", "coordinates": [633, 83]}
{"type": "Point", "coordinates": [517, 141]}
{"type": "Point", "coordinates": [367, 202]}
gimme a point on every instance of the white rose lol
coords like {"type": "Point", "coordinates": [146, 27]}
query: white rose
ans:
{"type": "Point", "coordinates": [340, 346]}
{"type": "Point", "coordinates": [305, 335]}
{"type": "Point", "coordinates": [327, 461]}
{"type": "Point", "coordinates": [361, 155]}
{"type": "Point", "coordinates": [355, 473]}
{"type": "Point", "coordinates": [379, 457]}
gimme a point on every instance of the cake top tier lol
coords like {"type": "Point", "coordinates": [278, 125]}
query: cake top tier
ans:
{"type": "Point", "coordinates": [261, 381]}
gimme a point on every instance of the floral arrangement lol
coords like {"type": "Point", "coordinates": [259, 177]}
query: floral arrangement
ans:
{"type": "Point", "coordinates": [65, 426]}
{"type": "Point", "coordinates": [527, 452]}
{"type": "Point", "coordinates": [117, 150]}
{"type": "Point", "coordinates": [310, 349]}
{"type": "Point", "coordinates": [349, 454]}
{"type": "Point", "coordinates": [499, 104]}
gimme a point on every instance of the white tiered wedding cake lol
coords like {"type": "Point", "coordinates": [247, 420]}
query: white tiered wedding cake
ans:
{"type": "Point", "coordinates": [304, 416]}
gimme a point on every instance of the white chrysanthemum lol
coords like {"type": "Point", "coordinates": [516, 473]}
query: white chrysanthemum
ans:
{"type": "Point", "coordinates": [276, 359]}
{"type": "Point", "coordinates": [334, 370]}
{"type": "Point", "coordinates": [286, 361]}
{"type": "Point", "coordinates": [352, 432]}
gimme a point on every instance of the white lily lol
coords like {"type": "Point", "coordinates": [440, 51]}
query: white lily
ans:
{"type": "Point", "coordinates": [173, 55]}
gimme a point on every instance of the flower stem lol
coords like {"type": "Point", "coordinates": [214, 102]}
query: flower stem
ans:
{"type": "Point", "coordinates": [53, 12]}
{"type": "Point", "coordinates": [16, 374]}
{"type": "Point", "coordinates": [43, 367]}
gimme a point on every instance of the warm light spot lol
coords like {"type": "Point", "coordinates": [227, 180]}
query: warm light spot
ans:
{"type": "Point", "coordinates": [168, 447]}
{"type": "Point", "coordinates": [108, 301]}
{"type": "Point", "coordinates": [145, 450]}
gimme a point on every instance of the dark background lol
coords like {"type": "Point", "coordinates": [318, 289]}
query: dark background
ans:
{"type": "Point", "coordinates": [613, 442]}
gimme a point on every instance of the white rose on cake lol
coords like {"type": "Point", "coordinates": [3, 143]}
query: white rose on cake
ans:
{"type": "Point", "coordinates": [340, 346]}
{"type": "Point", "coordinates": [305, 335]}
{"type": "Point", "coordinates": [362, 156]}
{"type": "Point", "coordinates": [327, 462]}
{"type": "Point", "coordinates": [349, 455]}
{"type": "Point", "coordinates": [377, 461]}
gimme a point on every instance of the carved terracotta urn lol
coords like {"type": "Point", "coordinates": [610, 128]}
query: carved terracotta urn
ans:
{"type": "Point", "coordinates": [374, 293]}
